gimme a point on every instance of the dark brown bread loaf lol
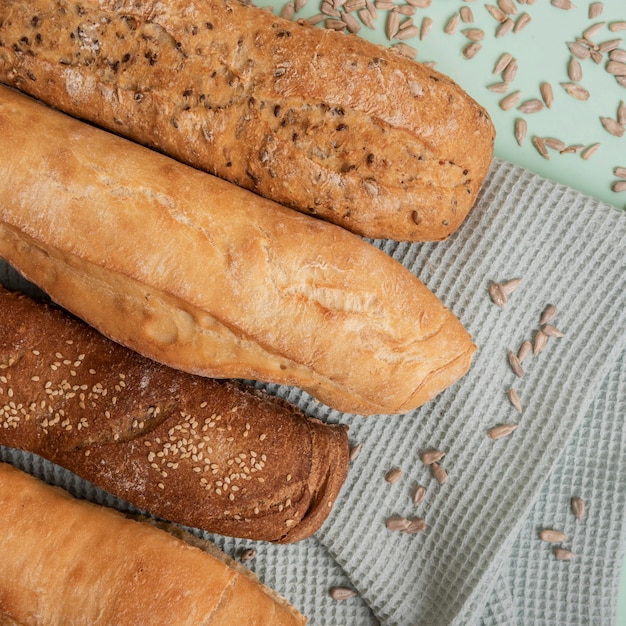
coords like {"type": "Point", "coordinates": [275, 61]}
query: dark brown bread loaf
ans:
{"type": "Point", "coordinates": [206, 454]}
{"type": "Point", "coordinates": [69, 562]}
{"type": "Point", "coordinates": [325, 123]}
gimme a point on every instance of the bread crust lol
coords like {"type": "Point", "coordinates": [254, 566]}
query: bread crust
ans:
{"type": "Point", "coordinates": [327, 124]}
{"type": "Point", "coordinates": [209, 278]}
{"type": "Point", "coordinates": [212, 455]}
{"type": "Point", "coordinates": [67, 561]}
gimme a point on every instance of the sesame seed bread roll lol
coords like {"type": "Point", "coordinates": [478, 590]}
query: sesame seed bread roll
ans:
{"type": "Point", "coordinates": [327, 124]}
{"type": "Point", "coordinates": [68, 561]}
{"type": "Point", "coordinates": [212, 455]}
{"type": "Point", "coordinates": [212, 279]}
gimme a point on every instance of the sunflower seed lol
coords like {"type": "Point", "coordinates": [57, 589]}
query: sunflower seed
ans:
{"type": "Point", "coordinates": [549, 313]}
{"type": "Point", "coordinates": [566, 5]}
{"type": "Point", "coordinates": [354, 451]}
{"type": "Point", "coordinates": [552, 331]}
{"type": "Point", "coordinates": [502, 62]}
{"type": "Point", "coordinates": [578, 50]}
{"type": "Point", "coordinates": [403, 49]}
{"type": "Point", "coordinates": [593, 30]}
{"type": "Point", "coordinates": [247, 555]}
{"type": "Point", "coordinates": [471, 50]}
{"type": "Point", "coordinates": [619, 186]}
{"type": "Point", "coordinates": [509, 286]}
{"type": "Point", "coordinates": [531, 106]}
{"type": "Point", "coordinates": [508, 102]}
{"type": "Point", "coordinates": [393, 24]}
{"type": "Point", "coordinates": [574, 69]}
{"type": "Point", "coordinates": [515, 400]}
{"type": "Point", "coordinates": [416, 525]}
{"type": "Point", "coordinates": [418, 495]}
{"type": "Point", "coordinates": [288, 11]}
{"type": "Point", "coordinates": [612, 126]}
{"type": "Point", "coordinates": [561, 554]}
{"type": "Point", "coordinates": [620, 172]}
{"type": "Point", "coordinates": [334, 24]}
{"type": "Point", "coordinates": [367, 18]}
{"type": "Point", "coordinates": [615, 27]}
{"type": "Point", "coordinates": [396, 524]}
{"type": "Point", "coordinates": [539, 343]}
{"type": "Point", "coordinates": [452, 24]}
{"type": "Point", "coordinates": [497, 295]}
{"type": "Point", "coordinates": [589, 151]}
{"type": "Point", "coordinates": [596, 56]}
{"type": "Point", "coordinates": [502, 430]}
{"type": "Point", "coordinates": [507, 6]}
{"type": "Point", "coordinates": [427, 24]}
{"type": "Point", "coordinates": [515, 364]}
{"type": "Point", "coordinates": [341, 593]}
{"type": "Point", "coordinates": [420, 4]}
{"type": "Point", "coordinates": [467, 17]}
{"type": "Point", "coordinates": [547, 94]}
{"type": "Point", "coordinates": [609, 45]}
{"type": "Point", "coordinates": [431, 456]}
{"type": "Point", "coordinates": [328, 9]}
{"type": "Point", "coordinates": [439, 473]}
{"type": "Point", "coordinates": [522, 21]}
{"type": "Point", "coordinates": [496, 12]}
{"type": "Point", "coordinates": [505, 27]}
{"type": "Point", "coordinates": [616, 67]}
{"type": "Point", "coordinates": [510, 71]}
{"type": "Point", "coordinates": [576, 91]}
{"type": "Point", "coordinates": [578, 507]}
{"type": "Point", "coordinates": [553, 536]}
{"type": "Point", "coordinates": [573, 149]}
{"type": "Point", "coordinates": [621, 113]}
{"type": "Point", "coordinates": [315, 19]}
{"type": "Point", "coordinates": [300, 4]}
{"type": "Point", "coordinates": [521, 128]}
{"type": "Point", "coordinates": [554, 143]}
{"type": "Point", "coordinates": [407, 32]}
{"type": "Point", "coordinates": [595, 10]}
{"type": "Point", "coordinates": [525, 350]}
{"type": "Point", "coordinates": [498, 87]}
{"type": "Point", "coordinates": [351, 22]}
{"type": "Point", "coordinates": [393, 475]}
{"type": "Point", "coordinates": [540, 145]}
{"type": "Point", "coordinates": [474, 34]}
{"type": "Point", "coordinates": [621, 80]}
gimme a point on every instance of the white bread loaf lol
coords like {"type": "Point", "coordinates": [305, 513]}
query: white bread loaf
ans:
{"type": "Point", "coordinates": [212, 279]}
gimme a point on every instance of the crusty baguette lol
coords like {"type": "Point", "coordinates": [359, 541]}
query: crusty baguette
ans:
{"type": "Point", "coordinates": [210, 278]}
{"type": "Point", "coordinates": [210, 455]}
{"type": "Point", "coordinates": [71, 562]}
{"type": "Point", "coordinates": [328, 124]}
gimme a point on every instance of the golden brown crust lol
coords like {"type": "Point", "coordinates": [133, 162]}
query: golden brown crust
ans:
{"type": "Point", "coordinates": [209, 278]}
{"type": "Point", "coordinates": [327, 124]}
{"type": "Point", "coordinates": [211, 455]}
{"type": "Point", "coordinates": [66, 561]}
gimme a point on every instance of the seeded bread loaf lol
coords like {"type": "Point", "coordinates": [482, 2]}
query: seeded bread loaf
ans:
{"type": "Point", "coordinates": [206, 454]}
{"type": "Point", "coordinates": [324, 123]}
{"type": "Point", "coordinates": [67, 561]}
{"type": "Point", "coordinates": [209, 278]}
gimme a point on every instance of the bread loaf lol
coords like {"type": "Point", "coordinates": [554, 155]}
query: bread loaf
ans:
{"type": "Point", "coordinates": [327, 124]}
{"type": "Point", "coordinates": [67, 561]}
{"type": "Point", "coordinates": [209, 278]}
{"type": "Point", "coordinates": [206, 454]}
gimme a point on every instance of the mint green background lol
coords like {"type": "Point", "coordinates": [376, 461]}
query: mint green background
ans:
{"type": "Point", "coordinates": [542, 56]}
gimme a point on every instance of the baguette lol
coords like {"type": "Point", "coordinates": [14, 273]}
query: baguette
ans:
{"type": "Point", "coordinates": [327, 124]}
{"type": "Point", "coordinates": [206, 454]}
{"type": "Point", "coordinates": [71, 562]}
{"type": "Point", "coordinates": [209, 278]}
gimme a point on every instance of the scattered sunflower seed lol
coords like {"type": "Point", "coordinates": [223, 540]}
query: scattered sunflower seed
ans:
{"type": "Point", "coordinates": [393, 24]}
{"type": "Point", "coordinates": [566, 5]}
{"type": "Point", "coordinates": [288, 11]}
{"type": "Point", "coordinates": [540, 146]}
{"type": "Point", "coordinates": [496, 12]}
{"type": "Point", "coordinates": [616, 67]}
{"type": "Point", "coordinates": [549, 313]}
{"type": "Point", "coordinates": [574, 69]}
{"type": "Point", "coordinates": [578, 507]}
{"type": "Point", "coordinates": [407, 32]}
{"type": "Point", "coordinates": [471, 50]}
{"type": "Point", "coordinates": [612, 126]}
{"type": "Point", "coordinates": [553, 536]}
{"type": "Point", "coordinates": [619, 186]}
{"type": "Point", "coordinates": [498, 87]}
{"type": "Point", "coordinates": [561, 554]}
{"type": "Point", "coordinates": [452, 24]}
{"type": "Point", "coordinates": [426, 26]}
{"type": "Point", "coordinates": [508, 102]}
{"type": "Point", "coordinates": [467, 17]}
{"type": "Point", "coordinates": [611, 44]}
{"type": "Point", "coordinates": [588, 152]}
{"type": "Point", "coordinates": [351, 22]}
{"type": "Point", "coordinates": [497, 295]}
{"type": "Point", "coordinates": [531, 106]}
{"type": "Point", "coordinates": [515, 400]}
{"type": "Point", "coordinates": [554, 143]}
{"type": "Point", "coordinates": [618, 55]}
{"type": "Point", "coordinates": [367, 18]}
{"type": "Point", "coordinates": [247, 554]}
{"type": "Point", "coordinates": [593, 30]}
{"type": "Point", "coordinates": [507, 6]}
{"type": "Point", "coordinates": [615, 27]}
{"type": "Point", "coordinates": [393, 475]}
{"type": "Point", "coordinates": [505, 27]}
{"type": "Point", "coordinates": [502, 62]}
{"type": "Point", "coordinates": [510, 71]}
{"type": "Point", "coordinates": [341, 593]}
{"type": "Point", "coordinates": [431, 456]}
{"type": "Point", "coordinates": [439, 473]}
{"type": "Point", "coordinates": [521, 128]}
{"type": "Point", "coordinates": [515, 364]}
{"type": "Point", "coordinates": [418, 495]}
{"type": "Point", "coordinates": [405, 50]}
{"type": "Point", "coordinates": [620, 172]}
{"type": "Point", "coordinates": [547, 94]}
{"type": "Point", "coordinates": [354, 451]}
{"type": "Point", "coordinates": [576, 91]}
{"type": "Point", "coordinates": [525, 350]}
{"type": "Point", "coordinates": [416, 525]}
{"type": "Point", "coordinates": [621, 113]}
{"type": "Point", "coordinates": [552, 331]}
{"type": "Point", "coordinates": [539, 343]}
{"type": "Point", "coordinates": [595, 9]}
{"type": "Point", "coordinates": [578, 50]}
{"type": "Point", "coordinates": [573, 149]}
{"type": "Point", "coordinates": [502, 430]}
{"type": "Point", "coordinates": [509, 286]}
{"type": "Point", "coordinates": [396, 524]}
{"type": "Point", "coordinates": [522, 21]}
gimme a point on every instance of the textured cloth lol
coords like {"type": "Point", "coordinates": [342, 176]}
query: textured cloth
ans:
{"type": "Point", "coordinates": [480, 560]}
